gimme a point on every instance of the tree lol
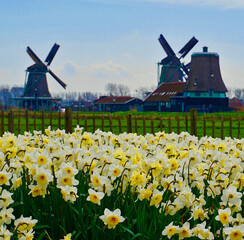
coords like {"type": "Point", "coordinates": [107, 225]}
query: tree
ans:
{"type": "Point", "coordinates": [238, 93]}
{"type": "Point", "coordinates": [88, 96]}
{"type": "Point", "coordinates": [142, 92]}
{"type": "Point", "coordinates": [111, 89]}
{"type": "Point", "coordinates": [229, 94]}
{"type": "Point", "coordinates": [123, 90]}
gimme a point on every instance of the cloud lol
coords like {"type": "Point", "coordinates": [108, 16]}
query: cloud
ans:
{"type": "Point", "coordinates": [226, 4]}
{"type": "Point", "coordinates": [92, 77]}
{"type": "Point", "coordinates": [107, 70]}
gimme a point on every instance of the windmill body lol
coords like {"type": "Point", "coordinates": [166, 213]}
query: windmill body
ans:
{"type": "Point", "coordinates": [36, 85]}
{"type": "Point", "coordinates": [36, 94]}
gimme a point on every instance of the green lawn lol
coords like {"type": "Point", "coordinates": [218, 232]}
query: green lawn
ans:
{"type": "Point", "coordinates": [154, 122]}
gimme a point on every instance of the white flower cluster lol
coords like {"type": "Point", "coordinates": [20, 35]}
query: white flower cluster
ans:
{"type": "Point", "coordinates": [190, 171]}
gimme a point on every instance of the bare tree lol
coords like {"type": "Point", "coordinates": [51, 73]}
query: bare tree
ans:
{"type": "Point", "coordinates": [111, 89]}
{"type": "Point", "coordinates": [143, 92]}
{"type": "Point", "coordinates": [230, 93]}
{"type": "Point", "coordinates": [238, 93]}
{"type": "Point", "coordinates": [123, 90]}
{"type": "Point", "coordinates": [88, 96]}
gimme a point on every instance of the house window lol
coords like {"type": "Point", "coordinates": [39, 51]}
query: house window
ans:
{"type": "Point", "coordinates": [210, 92]}
{"type": "Point", "coordinates": [197, 94]}
{"type": "Point", "coordinates": [195, 82]}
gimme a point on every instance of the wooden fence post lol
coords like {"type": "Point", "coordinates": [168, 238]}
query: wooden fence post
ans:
{"type": "Point", "coordinates": [27, 120]}
{"type": "Point", "coordinates": [19, 122]}
{"type": "Point", "coordinates": [152, 126]}
{"type": "Point", "coordinates": [230, 126]}
{"type": "Point", "coordinates": [34, 120]}
{"type": "Point", "coordinates": [2, 122]}
{"type": "Point", "coordinates": [161, 124]}
{"type": "Point", "coordinates": [110, 122]}
{"type": "Point", "coordinates": [59, 119]}
{"type": "Point", "coordinates": [43, 121]}
{"type": "Point", "coordinates": [186, 120]}
{"type": "Point", "coordinates": [213, 125]}
{"type": "Point", "coordinates": [68, 120]}
{"type": "Point", "coordinates": [193, 113]}
{"type": "Point", "coordinates": [222, 127]}
{"type": "Point", "coordinates": [239, 126]}
{"type": "Point", "coordinates": [129, 123]}
{"type": "Point", "coordinates": [169, 120]}
{"type": "Point", "coordinates": [85, 122]}
{"type": "Point", "coordinates": [119, 122]}
{"type": "Point", "coordinates": [178, 123]}
{"type": "Point", "coordinates": [102, 122]}
{"type": "Point", "coordinates": [204, 124]}
{"type": "Point", "coordinates": [93, 122]}
{"type": "Point", "coordinates": [51, 119]}
{"type": "Point", "coordinates": [144, 125]}
{"type": "Point", "coordinates": [135, 124]}
{"type": "Point", "coordinates": [11, 121]}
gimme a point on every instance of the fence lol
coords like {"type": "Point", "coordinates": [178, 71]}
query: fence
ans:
{"type": "Point", "coordinates": [197, 124]}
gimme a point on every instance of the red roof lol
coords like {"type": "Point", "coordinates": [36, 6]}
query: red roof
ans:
{"type": "Point", "coordinates": [165, 91]}
{"type": "Point", "coordinates": [235, 102]}
{"type": "Point", "coordinates": [114, 99]}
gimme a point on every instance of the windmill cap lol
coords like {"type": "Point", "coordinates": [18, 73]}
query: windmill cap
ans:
{"type": "Point", "coordinates": [204, 53]}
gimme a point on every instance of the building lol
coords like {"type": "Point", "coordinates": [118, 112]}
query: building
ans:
{"type": "Point", "coordinates": [118, 103]}
{"type": "Point", "coordinates": [235, 104]}
{"type": "Point", "coordinates": [205, 89]}
{"type": "Point", "coordinates": [162, 99]}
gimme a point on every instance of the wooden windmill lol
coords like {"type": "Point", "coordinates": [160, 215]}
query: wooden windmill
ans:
{"type": "Point", "coordinates": [36, 93]}
{"type": "Point", "coordinates": [173, 69]}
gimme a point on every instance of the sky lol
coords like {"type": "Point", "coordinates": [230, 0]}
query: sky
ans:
{"type": "Point", "coordinates": [116, 41]}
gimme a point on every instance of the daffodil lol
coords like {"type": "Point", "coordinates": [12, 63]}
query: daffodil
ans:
{"type": "Point", "coordinates": [95, 197]}
{"type": "Point", "coordinates": [112, 218]}
{"type": "Point", "coordinates": [185, 231]}
{"type": "Point", "coordinates": [224, 216]}
{"type": "Point", "coordinates": [170, 230]}
{"type": "Point", "coordinates": [234, 233]}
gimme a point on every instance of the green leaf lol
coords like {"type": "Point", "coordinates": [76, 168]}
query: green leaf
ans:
{"type": "Point", "coordinates": [63, 229]}
{"type": "Point", "coordinates": [76, 236]}
{"type": "Point", "coordinates": [41, 236]}
{"type": "Point", "coordinates": [16, 204]}
{"type": "Point", "coordinates": [73, 208]}
{"type": "Point", "coordinates": [127, 230]}
{"type": "Point", "coordinates": [41, 226]}
{"type": "Point", "coordinates": [136, 235]}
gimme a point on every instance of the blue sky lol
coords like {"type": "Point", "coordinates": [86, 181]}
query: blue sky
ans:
{"type": "Point", "coordinates": [116, 41]}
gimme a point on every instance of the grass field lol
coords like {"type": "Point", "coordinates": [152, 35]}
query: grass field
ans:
{"type": "Point", "coordinates": [154, 122]}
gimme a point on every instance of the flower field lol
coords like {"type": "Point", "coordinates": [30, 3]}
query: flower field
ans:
{"type": "Point", "coordinates": [100, 185]}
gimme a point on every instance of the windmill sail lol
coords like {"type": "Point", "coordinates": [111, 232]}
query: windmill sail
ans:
{"type": "Point", "coordinates": [173, 70]}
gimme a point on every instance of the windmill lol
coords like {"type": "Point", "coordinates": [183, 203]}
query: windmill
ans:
{"type": "Point", "coordinates": [173, 69]}
{"type": "Point", "coordinates": [36, 93]}
{"type": "Point", "coordinates": [36, 85]}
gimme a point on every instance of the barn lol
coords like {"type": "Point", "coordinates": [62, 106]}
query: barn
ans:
{"type": "Point", "coordinates": [162, 99]}
{"type": "Point", "coordinates": [118, 103]}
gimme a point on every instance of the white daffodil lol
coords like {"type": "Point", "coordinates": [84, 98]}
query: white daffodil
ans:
{"type": "Point", "coordinates": [112, 218]}
{"type": "Point", "coordinates": [95, 197]}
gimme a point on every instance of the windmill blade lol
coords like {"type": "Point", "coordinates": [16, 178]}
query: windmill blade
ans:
{"type": "Point", "coordinates": [166, 46]}
{"type": "Point", "coordinates": [187, 48]}
{"type": "Point", "coordinates": [52, 53]}
{"type": "Point", "coordinates": [166, 60]}
{"type": "Point", "coordinates": [57, 79]}
{"type": "Point", "coordinates": [184, 69]}
{"type": "Point", "coordinates": [33, 56]}
{"type": "Point", "coordinates": [188, 65]}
